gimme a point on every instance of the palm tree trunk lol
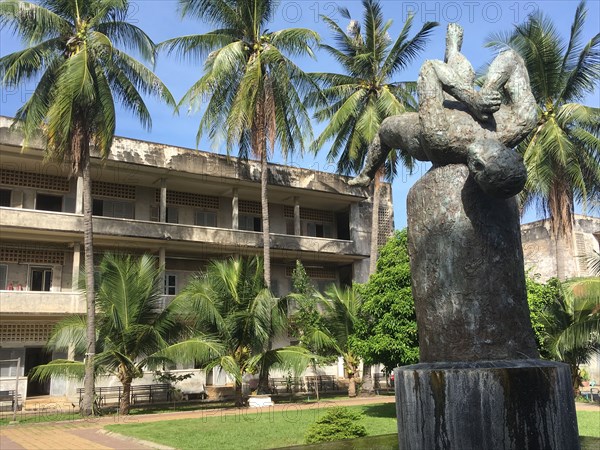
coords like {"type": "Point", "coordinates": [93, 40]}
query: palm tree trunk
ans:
{"type": "Point", "coordinates": [88, 245]}
{"type": "Point", "coordinates": [560, 205]}
{"type": "Point", "coordinates": [125, 403]}
{"type": "Point", "coordinates": [239, 398]}
{"type": "Point", "coordinates": [351, 385]}
{"type": "Point", "coordinates": [576, 379]}
{"type": "Point", "coordinates": [367, 381]}
{"type": "Point", "coordinates": [264, 179]}
{"type": "Point", "coordinates": [375, 224]}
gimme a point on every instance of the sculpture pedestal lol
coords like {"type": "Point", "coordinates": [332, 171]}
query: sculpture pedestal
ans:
{"type": "Point", "coordinates": [518, 404]}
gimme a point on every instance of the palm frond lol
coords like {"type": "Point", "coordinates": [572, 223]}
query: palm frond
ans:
{"type": "Point", "coordinates": [58, 368]}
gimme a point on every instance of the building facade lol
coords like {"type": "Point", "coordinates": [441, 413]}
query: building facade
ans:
{"type": "Point", "coordinates": [184, 206]}
{"type": "Point", "coordinates": [540, 249]}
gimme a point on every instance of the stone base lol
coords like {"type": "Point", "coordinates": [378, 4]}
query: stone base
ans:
{"type": "Point", "coordinates": [259, 401]}
{"type": "Point", "coordinates": [516, 405]}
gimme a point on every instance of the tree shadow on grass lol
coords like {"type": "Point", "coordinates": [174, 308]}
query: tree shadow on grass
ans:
{"type": "Point", "coordinates": [387, 410]}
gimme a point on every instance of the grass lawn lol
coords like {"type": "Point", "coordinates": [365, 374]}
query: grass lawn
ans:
{"type": "Point", "coordinates": [257, 431]}
{"type": "Point", "coordinates": [589, 423]}
{"type": "Point", "coordinates": [250, 431]}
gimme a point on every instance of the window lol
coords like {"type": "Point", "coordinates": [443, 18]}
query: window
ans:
{"type": "Point", "coordinates": [172, 214]}
{"type": "Point", "coordinates": [206, 218]}
{"type": "Point", "coordinates": [250, 223]}
{"type": "Point", "coordinates": [41, 279]}
{"type": "Point", "coordinates": [47, 202]}
{"type": "Point", "coordinates": [170, 284]}
{"type": "Point", "coordinates": [5, 197]}
{"type": "Point", "coordinates": [9, 368]}
{"type": "Point", "coordinates": [113, 208]}
{"type": "Point", "coordinates": [3, 276]}
{"type": "Point", "coordinates": [319, 230]}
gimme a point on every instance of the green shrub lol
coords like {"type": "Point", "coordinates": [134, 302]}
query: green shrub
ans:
{"type": "Point", "coordinates": [339, 423]}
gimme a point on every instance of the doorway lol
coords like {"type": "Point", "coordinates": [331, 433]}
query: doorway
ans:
{"type": "Point", "coordinates": [35, 356]}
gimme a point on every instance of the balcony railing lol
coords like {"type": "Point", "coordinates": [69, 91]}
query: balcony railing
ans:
{"type": "Point", "coordinates": [16, 302]}
{"type": "Point", "coordinates": [16, 218]}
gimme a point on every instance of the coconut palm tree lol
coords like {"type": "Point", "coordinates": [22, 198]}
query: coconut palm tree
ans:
{"type": "Point", "coordinates": [562, 153]}
{"type": "Point", "coordinates": [134, 332]}
{"type": "Point", "coordinates": [572, 325]}
{"type": "Point", "coordinates": [333, 335]}
{"type": "Point", "coordinates": [232, 305]}
{"type": "Point", "coordinates": [70, 52]}
{"type": "Point", "coordinates": [255, 90]}
{"type": "Point", "coordinates": [354, 103]}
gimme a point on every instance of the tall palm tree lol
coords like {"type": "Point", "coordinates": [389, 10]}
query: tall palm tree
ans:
{"type": "Point", "coordinates": [70, 52]}
{"type": "Point", "coordinates": [562, 153]}
{"type": "Point", "coordinates": [255, 90]}
{"type": "Point", "coordinates": [572, 325]}
{"type": "Point", "coordinates": [232, 306]}
{"type": "Point", "coordinates": [334, 334]}
{"type": "Point", "coordinates": [354, 103]}
{"type": "Point", "coordinates": [134, 332]}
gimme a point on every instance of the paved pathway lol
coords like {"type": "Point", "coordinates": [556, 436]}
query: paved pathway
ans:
{"type": "Point", "coordinates": [81, 434]}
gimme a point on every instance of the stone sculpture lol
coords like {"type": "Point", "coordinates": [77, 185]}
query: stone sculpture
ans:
{"type": "Point", "coordinates": [479, 383]}
{"type": "Point", "coordinates": [473, 127]}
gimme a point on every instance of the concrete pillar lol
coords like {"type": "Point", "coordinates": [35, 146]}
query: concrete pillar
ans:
{"type": "Point", "coordinates": [235, 213]}
{"type": "Point", "coordinates": [163, 201]}
{"type": "Point", "coordinates": [76, 266]}
{"type": "Point", "coordinates": [297, 226]}
{"type": "Point", "coordinates": [56, 278]}
{"type": "Point", "coordinates": [360, 234]}
{"type": "Point", "coordinates": [162, 263]}
{"type": "Point", "coordinates": [162, 258]}
{"type": "Point", "coordinates": [16, 200]}
{"type": "Point", "coordinates": [79, 196]}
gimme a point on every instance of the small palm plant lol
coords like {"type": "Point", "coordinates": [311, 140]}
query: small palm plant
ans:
{"type": "Point", "coordinates": [134, 332]}
{"type": "Point", "coordinates": [334, 334]}
{"type": "Point", "coordinates": [572, 325]}
{"type": "Point", "coordinates": [232, 306]}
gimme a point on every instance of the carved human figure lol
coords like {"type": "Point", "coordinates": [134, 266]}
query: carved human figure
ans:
{"type": "Point", "coordinates": [473, 127]}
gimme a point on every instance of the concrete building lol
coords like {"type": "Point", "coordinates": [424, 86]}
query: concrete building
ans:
{"type": "Point", "coordinates": [540, 250]}
{"type": "Point", "coordinates": [184, 206]}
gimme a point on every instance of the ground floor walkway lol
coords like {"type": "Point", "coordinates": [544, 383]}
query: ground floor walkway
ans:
{"type": "Point", "coordinates": [89, 434]}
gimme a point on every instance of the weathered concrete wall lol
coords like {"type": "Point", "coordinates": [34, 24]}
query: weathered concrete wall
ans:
{"type": "Point", "coordinates": [540, 251]}
{"type": "Point", "coordinates": [23, 302]}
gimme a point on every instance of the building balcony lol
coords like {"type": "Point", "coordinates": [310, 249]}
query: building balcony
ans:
{"type": "Point", "coordinates": [26, 302]}
{"type": "Point", "coordinates": [48, 226]}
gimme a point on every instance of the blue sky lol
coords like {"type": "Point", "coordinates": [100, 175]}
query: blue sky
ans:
{"type": "Point", "coordinates": [160, 19]}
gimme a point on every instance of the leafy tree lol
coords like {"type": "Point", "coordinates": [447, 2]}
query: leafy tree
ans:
{"type": "Point", "coordinates": [232, 306]}
{"type": "Point", "coordinates": [562, 152]}
{"type": "Point", "coordinates": [572, 325]}
{"type": "Point", "coordinates": [387, 330]}
{"type": "Point", "coordinates": [540, 297]}
{"type": "Point", "coordinates": [355, 102]}
{"type": "Point", "coordinates": [304, 299]}
{"type": "Point", "coordinates": [134, 332]}
{"type": "Point", "coordinates": [70, 53]}
{"type": "Point", "coordinates": [255, 90]}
